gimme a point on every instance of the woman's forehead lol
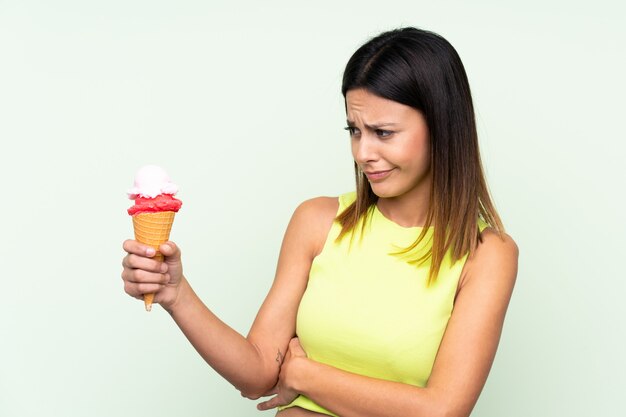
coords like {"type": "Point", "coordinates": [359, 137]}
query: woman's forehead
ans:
{"type": "Point", "coordinates": [372, 109]}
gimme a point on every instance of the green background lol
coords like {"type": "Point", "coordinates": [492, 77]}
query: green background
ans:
{"type": "Point", "coordinates": [240, 102]}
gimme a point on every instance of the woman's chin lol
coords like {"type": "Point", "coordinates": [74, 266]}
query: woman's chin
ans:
{"type": "Point", "coordinates": [383, 192]}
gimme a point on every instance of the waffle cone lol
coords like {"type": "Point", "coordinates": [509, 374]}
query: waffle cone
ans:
{"type": "Point", "coordinates": [153, 229]}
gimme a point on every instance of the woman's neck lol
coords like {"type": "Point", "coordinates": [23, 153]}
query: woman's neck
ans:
{"type": "Point", "coordinates": [406, 210]}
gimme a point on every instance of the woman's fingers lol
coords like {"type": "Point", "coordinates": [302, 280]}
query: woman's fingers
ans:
{"type": "Point", "coordinates": [269, 404]}
{"type": "Point", "coordinates": [140, 276]}
{"type": "Point", "coordinates": [170, 249]}
{"type": "Point", "coordinates": [141, 262]}
{"type": "Point", "coordinates": [138, 282]}
{"type": "Point", "coordinates": [144, 275]}
{"type": "Point", "coordinates": [137, 290]}
{"type": "Point", "coordinates": [134, 247]}
{"type": "Point", "coordinates": [295, 348]}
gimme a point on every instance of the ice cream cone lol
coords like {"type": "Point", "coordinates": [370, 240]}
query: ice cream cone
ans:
{"type": "Point", "coordinates": [153, 229]}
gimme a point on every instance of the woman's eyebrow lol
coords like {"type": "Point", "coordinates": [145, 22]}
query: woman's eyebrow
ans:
{"type": "Point", "coordinates": [374, 126]}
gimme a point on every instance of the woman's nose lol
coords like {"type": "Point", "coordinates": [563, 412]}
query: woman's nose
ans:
{"type": "Point", "coordinates": [364, 150]}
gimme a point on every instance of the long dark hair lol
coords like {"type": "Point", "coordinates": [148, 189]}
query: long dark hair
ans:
{"type": "Point", "coordinates": [422, 70]}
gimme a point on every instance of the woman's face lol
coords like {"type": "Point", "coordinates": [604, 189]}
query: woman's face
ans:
{"type": "Point", "coordinates": [390, 143]}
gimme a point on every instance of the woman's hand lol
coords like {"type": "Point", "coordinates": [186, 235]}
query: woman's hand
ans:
{"type": "Point", "coordinates": [143, 275]}
{"type": "Point", "coordinates": [284, 390]}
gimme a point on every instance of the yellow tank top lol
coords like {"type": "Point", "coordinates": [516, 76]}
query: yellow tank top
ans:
{"type": "Point", "coordinates": [367, 311]}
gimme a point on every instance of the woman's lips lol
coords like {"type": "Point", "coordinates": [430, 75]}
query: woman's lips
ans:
{"type": "Point", "coordinates": [377, 175]}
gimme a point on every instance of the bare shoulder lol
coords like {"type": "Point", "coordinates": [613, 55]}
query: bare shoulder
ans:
{"type": "Point", "coordinates": [495, 258]}
{"type": "Point", "coordinates": [322, 209]}
{"type": "Point", "coordinates": [497, 245]}
{"type": "Point", "coordinates": [314, 218]}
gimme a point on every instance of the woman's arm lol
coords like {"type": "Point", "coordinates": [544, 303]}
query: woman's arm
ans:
{"type": "Point", "coordinates": [247, 363]}
{"type": "Point", "coordinates": [463, 361]}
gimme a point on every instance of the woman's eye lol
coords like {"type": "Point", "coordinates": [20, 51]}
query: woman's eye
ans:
{"type": "Point", "coordinates": [352, 130]}
{"type": "Point", "coordinates": [383, 133]}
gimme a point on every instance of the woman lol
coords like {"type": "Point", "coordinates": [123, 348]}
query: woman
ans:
{"type": "Point", "coordinates": [397, 293]}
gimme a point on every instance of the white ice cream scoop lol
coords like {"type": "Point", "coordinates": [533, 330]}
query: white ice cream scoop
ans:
{"type": "Point", "coordinates": [151, 181]}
